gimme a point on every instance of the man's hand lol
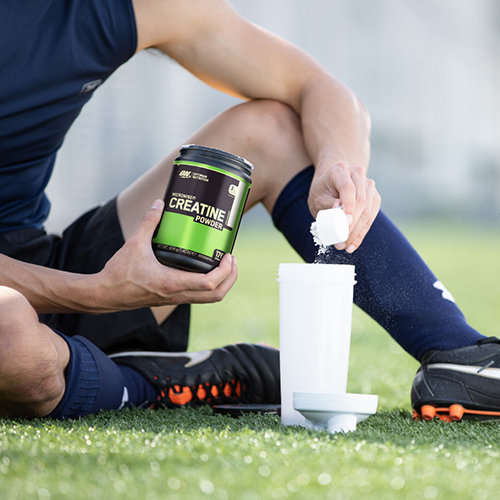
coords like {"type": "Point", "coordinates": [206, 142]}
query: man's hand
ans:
{"type": "Point", "coordinates": [134, 278]}
{"type": "Point", "coordinates": [347, 186]}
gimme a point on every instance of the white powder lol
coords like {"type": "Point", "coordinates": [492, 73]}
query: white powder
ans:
{"type": "Point", "coordinates": [317, 240]}
{"type": "Point", "coordinates": [333, 227]}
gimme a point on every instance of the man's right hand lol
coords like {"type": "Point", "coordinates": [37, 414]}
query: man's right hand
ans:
{"type": "Point", "coordinates": [134, 278]}
{"type": "Point", "coordinates": [347, 186]}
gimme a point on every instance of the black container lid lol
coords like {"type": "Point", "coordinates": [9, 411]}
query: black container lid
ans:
{"type": "Point", "coordinates": [218, 154]}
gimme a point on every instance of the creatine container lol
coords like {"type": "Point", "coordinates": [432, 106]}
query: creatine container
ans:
{"type": "Point", "coordinates": [204, 203]}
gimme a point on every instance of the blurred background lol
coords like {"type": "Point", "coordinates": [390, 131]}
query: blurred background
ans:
{"type": "Point", "coordinates": [428, 71]}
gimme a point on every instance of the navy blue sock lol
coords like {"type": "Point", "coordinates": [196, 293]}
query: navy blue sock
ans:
{"type": "Point", "coordinates": [394, 285]}
{"type": "Point", "coordinates": [138, 388]}
{"type": "Point", "coordinates": [134, 388]}
{"type": "Point", "coordinates": [94, 382]}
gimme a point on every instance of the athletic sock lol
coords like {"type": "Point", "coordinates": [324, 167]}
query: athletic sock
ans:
{"type": "Point", "coordinates": [135, 389]}
{"type": "Point", "coordinates": [393, 284]}
{"type": "Point", "coordinates": [94, 383]}
{"type": "Point", "coordinates": [139, 389]}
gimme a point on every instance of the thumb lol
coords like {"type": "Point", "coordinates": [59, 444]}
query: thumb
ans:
{"type": "Point", "coordinates": [150, 220]}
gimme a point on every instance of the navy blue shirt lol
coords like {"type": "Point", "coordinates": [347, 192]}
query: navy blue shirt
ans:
{"type": "Point", "coordinates": [54, 54]}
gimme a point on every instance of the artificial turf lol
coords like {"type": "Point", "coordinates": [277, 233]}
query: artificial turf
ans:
{"type": "Point", "coordinates": [194, 454]}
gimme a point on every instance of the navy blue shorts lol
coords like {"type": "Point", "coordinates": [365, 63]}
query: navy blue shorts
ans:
{"type": "Point", "coordinates": [85, 247]}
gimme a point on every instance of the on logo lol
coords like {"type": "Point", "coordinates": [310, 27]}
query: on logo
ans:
{"type": "Point", "coordinates": [185, 174]}
{"type": "Point", "coordinates": [233, 189]}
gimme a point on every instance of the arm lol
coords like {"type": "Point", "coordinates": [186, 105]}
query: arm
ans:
{"type": "Point", "coordinates": [223, 49]}
{"type": "Point", "coordinates": [134, 270]}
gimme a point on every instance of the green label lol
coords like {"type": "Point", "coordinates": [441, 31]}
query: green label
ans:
{"type": "Point", "coordinates": [203, 208]}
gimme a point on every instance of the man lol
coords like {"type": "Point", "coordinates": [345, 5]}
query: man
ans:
{"type": "Point", "coordinates": [100, 289]}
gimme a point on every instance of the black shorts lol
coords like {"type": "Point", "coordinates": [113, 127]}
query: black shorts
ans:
{"type": "Point", "coordinates": [85, 247]}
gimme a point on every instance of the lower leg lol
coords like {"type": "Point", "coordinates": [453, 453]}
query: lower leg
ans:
{"type": "Point", "coordinates": [94, 383]}
{"type": "Point", "coordinates": [394, 286]}
{"type": "Point", "coordinates": [32, 360]}
{"type": "Point", "coordinates": [44, 374]}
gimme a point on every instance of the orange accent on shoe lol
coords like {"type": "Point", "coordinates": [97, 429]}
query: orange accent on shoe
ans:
{"type": "Point", "coordinates": [227, 389]}
{"type": "Point", "coordinates": [416, 416]}
{"type": "Point", "coordinates": [482, 412]}
{"type": "Point", "coordinates": [428, 412]}
{"type": "Point", "coordinates": [456, 412]}
{"type": "Point", "coordinates": [201, 392]}
{"type": "Point", "coordinates": [180, 397]}
{"type": "Point", "coordinates": [205, 392]}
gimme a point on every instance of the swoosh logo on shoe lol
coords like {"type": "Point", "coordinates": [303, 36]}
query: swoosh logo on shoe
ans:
{"type": "Point", "coordinates": [471, 370]}
{"type": "Point", "coordinates": [195, 358]}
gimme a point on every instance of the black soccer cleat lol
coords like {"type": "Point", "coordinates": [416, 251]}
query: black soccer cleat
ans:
{"type": "Point", "coordinates": [239, 373]}
{"type": "Point", "coordinates": [459, 384]}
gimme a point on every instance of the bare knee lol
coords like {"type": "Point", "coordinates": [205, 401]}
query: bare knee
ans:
{"type": "Point", "coordinates": [269, 128]}
{"type": "Point", "coordinates": [269, 134]}
{"type": "Point", "coordinates": [31, 364]}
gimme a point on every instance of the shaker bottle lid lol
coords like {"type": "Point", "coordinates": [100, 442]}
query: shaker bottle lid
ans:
{"type": "Point", "coordinates": [332, 226]}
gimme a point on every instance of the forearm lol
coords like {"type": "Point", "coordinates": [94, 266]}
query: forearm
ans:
{"type": "Point", "coordinates": [50, 290]}
{"type": "Point", "coordinates": [336, 124]}
{"type": "Point", "coordinates": [131, 279]}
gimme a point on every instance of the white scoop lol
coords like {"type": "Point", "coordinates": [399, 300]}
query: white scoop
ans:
{"type": "Point", "coordinates": [332, 226]}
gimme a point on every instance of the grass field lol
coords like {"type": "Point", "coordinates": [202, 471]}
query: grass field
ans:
{"type": "Point", "coordinates": [193, 454]}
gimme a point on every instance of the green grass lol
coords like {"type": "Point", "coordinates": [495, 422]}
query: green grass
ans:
{"type": "Point", "coordinates": [193, 454]}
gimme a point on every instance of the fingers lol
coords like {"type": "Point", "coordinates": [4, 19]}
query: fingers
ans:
{"type": "Point", "coordinates": [348, 183]}
{"type": "Point", "coordinates": [134, 278]}
{"type": "Point", "coordinates": [198, 288]}
{"type": "Point", "coordinates": [347, 186]}
{"type": "Point", "coordinates": [371, 208]}
{"type": "Point", "coordinates": [225, 276]}
{"type": "Point", "coordinates": [149, 222]}
{"type": "Point", "coordinates": [213, 285]}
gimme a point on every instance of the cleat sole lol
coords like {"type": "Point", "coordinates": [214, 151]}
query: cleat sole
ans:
{"type": "Point", "coordinates": [455, 413]}
{"type": "Point", "coordinates": [428, 412]}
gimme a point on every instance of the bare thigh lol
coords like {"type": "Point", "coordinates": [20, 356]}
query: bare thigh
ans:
{"type": "Point", "coordinates": [266, 133]}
